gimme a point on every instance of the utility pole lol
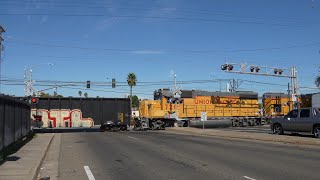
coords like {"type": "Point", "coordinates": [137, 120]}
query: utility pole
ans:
{"type": "Point", "coordinates": [1, 49]}
{"type": "Point", "coordinates": [244, 68]}
{"type": "Point", "coordinates": [234, 85]}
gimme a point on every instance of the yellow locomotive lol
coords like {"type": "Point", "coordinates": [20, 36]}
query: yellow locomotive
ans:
{"type": "Point", "coordinates": [240, 107]}
{"type": "Point", "coordinates": [279, 104]}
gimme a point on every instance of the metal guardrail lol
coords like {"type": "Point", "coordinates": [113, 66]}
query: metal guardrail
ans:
{"type": "Point", "coordinates": [15, 120]}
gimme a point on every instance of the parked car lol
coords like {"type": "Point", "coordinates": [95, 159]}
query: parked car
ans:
{"type": "Point", "coordinates": [298, 120]}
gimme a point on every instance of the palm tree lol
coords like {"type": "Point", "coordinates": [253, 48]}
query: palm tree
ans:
{"type": "Point", "coordinates": [85, 94]}
{"type": "Point", "coordinates": [132, 80]}
{"type": "Point", "coordinates": [317, 81]}
{"type": "Point", "coordinates": [80, 93]}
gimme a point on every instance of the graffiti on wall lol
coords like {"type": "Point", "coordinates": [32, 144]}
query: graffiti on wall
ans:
{"type": "Point", "coordinates": [61, 118]}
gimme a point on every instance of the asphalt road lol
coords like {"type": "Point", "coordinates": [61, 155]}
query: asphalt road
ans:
{"type": "Point", "coordinates": [254, 129]}
{"type": "Point", "coordinates": [159, 155]}
{"type": "Point", "coordinates": [265, 129]}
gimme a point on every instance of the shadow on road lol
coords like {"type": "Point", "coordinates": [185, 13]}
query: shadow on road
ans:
{"type": "Point", "coordinates": [64, 130]}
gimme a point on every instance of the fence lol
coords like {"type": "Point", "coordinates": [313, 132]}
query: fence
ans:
{"type": "Point", "coordinates": [14, 120]}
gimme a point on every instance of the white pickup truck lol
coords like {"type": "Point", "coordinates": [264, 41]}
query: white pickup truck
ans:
{"type": "Point", "coordinates": [298, 120]}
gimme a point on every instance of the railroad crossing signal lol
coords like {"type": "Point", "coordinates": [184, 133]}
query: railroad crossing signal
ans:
{"type": "Point", "coordinates": [88, 84]}
{"type": "Point", "coordinates": [266, 71]}
{"type": "Point", "coordinates": [258, 70]}
{"type": "Point", "coordinates": [34, 100]}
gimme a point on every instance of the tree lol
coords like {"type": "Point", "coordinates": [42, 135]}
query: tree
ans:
{"type": "Point", "coordinates": [85, 94]}
{"type": "Point", "coordinates": [132, 80]}
{"type": "Point", "coordinates": [45, 95]}
{"type": "Point", "coordinates": [135, 101]}
{"type": "Point", "coordinates": [317, 81]}
{"type": "Point", "coordinates": [80, 93]}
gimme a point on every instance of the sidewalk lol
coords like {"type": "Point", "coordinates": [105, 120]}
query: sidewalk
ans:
{"type": "Point", "coordinates": [25, 163]}
{"type": "Point", "coordinates": [246, 135]}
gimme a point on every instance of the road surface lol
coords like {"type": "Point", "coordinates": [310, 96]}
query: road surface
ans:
{"type": "Point", "coordinates": [160, 155]}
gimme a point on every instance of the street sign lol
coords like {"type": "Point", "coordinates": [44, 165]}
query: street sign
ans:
{"type": "Point", "coordinates": [203, 116]}
{"type": "Point", "coordinates": [294, 98]}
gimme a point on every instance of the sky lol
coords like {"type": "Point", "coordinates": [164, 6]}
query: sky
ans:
{"type": "Point", "coordinates": [155, 39]}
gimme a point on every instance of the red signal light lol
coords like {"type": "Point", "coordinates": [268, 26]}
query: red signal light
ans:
{"type": "Point", "coordinates": [34, 100]}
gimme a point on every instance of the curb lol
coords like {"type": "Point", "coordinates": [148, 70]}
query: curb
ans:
{"type": "Point", "coordinates": [35, 176]}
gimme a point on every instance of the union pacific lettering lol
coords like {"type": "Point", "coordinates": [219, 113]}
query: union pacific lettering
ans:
{"type": "Point", "coordinates": [202, 101]}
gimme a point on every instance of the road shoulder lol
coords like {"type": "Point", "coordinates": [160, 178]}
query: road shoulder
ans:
{"type": "Point", "coordinates": [248, 136]}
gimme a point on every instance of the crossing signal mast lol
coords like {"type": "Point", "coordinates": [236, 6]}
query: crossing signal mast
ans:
{"type": "Point", "coordinates": [244, 68]}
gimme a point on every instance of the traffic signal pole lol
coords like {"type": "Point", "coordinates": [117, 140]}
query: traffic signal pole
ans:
{"type": "Point", "coordinates": [244, 68]}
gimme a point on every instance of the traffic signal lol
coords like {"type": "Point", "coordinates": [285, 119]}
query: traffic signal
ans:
{"type": "Point", "coordinates": [34, 100]}
{"type": "Point", "coordinates": [278, 71]}
{"type": "Point", "coordinates": [251, 68]}
{"type": "Point", "coordinates": [257, 69]}
{"type": "Point", "coordinates": [228, 67]}
{"type": "Point", "coordinates": [88, 84]}
{"type": "Point", "coordinates": [224, 67]}
{"type": "Point", "coordinates": [113, 83]}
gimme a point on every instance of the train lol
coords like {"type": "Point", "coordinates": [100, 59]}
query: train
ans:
{"type": "Point", "coordinates": [242, 108]}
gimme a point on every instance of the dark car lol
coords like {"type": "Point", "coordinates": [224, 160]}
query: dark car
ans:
{"type": "Point", "coordinates": [298, 120]}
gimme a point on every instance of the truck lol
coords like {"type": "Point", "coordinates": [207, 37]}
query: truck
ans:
{"type": "Point", "coordinates": [316, 100]}
{"type": "Point", "coordinates": [303, 120]}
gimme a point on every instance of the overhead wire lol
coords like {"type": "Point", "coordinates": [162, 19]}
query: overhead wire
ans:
{"type": "Point", "coordinates": [151, 17]}
{"type": "Point", "coordinates": [132, 6]}
{"type": "Point", "coordinates": [165, 50]}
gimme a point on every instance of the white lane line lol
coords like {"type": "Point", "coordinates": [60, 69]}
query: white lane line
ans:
{"type": "Point", "coordinates": [133, 138]}
{"type": "Point", "coordinates": [89, 173]}
{"type": "Point", "coordinates": [247, 177]}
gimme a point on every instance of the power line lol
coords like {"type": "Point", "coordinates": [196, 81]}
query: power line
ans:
{"type": "Point", "coordinates": [151, 17]}
{"type": "Point", "coordinates": [165, 50]}
{"type": "Point", "coordinates": [72, 58]}
{"type": "Point", "coordinates": [100, 5]}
